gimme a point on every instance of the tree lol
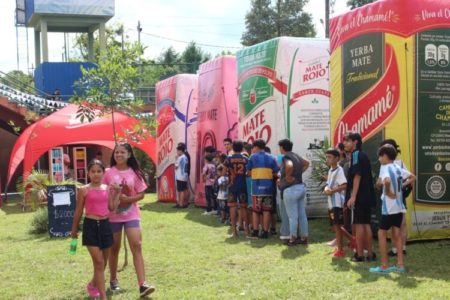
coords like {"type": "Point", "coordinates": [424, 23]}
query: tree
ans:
{"type": "Point", "coordinates": [192, 57]}
{"type": "Point", "coordinates": [112, 34]}
{"type": "Point", "coordinates": [285, 18]}
{"type": "Point", "coordinates": [108, 88]}
{"type": "Point", "coordinates": [357, 3]}
{"type": "Point", "coordinates": [19, 80]}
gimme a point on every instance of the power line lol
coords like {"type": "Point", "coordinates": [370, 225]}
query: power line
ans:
{"type": "Point", "coordinates": [188, 42]}
{"type": "Point", "coordinates": [192, 25]}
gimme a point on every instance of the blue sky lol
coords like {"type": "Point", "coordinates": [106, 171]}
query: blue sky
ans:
{"type": "Point", "coordinates": [218, 23]}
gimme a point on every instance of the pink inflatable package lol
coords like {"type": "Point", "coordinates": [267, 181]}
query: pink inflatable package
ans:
{"type": "Point", "coordinates": [217, 112]}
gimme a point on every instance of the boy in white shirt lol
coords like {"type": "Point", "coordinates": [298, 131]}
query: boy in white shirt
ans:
{"type": "Point", "coordinates": [392, 178]}
{"type": "Point", "coordinates": [335, 190]}
{"type": "Point", "coordinates": [222, 196]}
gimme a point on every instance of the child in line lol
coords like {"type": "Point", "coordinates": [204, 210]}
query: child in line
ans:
{"type": "Point", "coordinates": [222, 196]}
{"type": "Point", "coordinates": [392, 177]}
{"type": "Point", "coordinates": [335, 190]}
{"type": "Point", "coordinates": [209, 174]}
{"type": "Point", "coordinates": [237, 199]}
{"type": "Point", "coordinates": [97, 201]}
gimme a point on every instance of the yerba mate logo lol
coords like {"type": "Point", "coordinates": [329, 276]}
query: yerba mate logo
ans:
{"type": "Point", "coordinates": [372, 110]}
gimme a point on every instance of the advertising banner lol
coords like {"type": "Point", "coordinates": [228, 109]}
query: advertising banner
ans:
{"type": "Point", "coordinates": [284, 93]}
{"type": "Point", "coordinates": [176, 101]}
{"type": "Point", "coordinates": [217, 112]}
{"type": "Point", "coordinates": [390, 79]}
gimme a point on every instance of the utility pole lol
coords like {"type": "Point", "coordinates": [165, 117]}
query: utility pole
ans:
{"type": "Point", "coordinates": [139, 30]}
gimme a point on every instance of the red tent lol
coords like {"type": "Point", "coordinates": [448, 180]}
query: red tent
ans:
{"type": "Point", "coordinates": [63, 127]}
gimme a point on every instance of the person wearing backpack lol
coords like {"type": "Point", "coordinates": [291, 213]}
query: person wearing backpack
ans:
{"type": "Point", "coordinates": [406, 190]}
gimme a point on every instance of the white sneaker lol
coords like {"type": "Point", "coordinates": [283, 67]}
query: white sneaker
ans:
{"type": "Point", "coordinates": [332, 243]}
{"type": "Point", "coordinates": [284, 237]}
{"type": "Point", "coordinates": [213, 212]}
{"type": "Point", "coordinates": [206, 213]}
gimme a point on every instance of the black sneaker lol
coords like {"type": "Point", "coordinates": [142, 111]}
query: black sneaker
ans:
{"type": "Point", "coordinates": [357, 258]}
{"type": "Point", "coordinates": [273, 231]}
{"type": "Point", "coordinates": [264, 235]}
{"type": "Point", "coordinates": [392, 253]}
{"type": "Point", "coordinates": [114, 286]}
{"type": "Point", "coordinates": [373, 258]}
{"type": "Point", "coordinates": [254, 235]}
{"type": "Point", "coordinates": [146, 289]}
{"type": "Point", "coordinates": [302, 241]}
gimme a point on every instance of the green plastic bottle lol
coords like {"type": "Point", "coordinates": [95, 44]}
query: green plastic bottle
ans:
{"type": "Point", "coordinates": [73, 247]}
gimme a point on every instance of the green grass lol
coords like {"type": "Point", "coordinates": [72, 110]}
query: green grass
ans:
{"type": "Point", "coordinates": [189, 256]}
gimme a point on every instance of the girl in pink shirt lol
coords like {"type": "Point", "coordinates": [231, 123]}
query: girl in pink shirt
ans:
{"type": "Point", "coordinates": [97, 201]}
{"type": "Point", "coordinates": [126, 172]}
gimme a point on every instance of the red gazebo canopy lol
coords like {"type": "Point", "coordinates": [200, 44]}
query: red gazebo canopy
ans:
{"type": "Point", "coordinates": [63, 127]}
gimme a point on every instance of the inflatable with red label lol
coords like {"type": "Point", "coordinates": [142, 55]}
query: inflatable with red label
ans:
{"type": "Point", "coordinates": [176, 100]}
{"type": "Point", "coordinates": [284, 93]}
{"type": "Point", "coordinates": [390, 78]}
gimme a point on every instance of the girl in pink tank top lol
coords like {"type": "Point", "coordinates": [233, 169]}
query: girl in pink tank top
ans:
{"type": "Point", "coordinates": [97, 200]}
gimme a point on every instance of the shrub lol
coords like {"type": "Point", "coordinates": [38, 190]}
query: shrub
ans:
{"type": "Point", "coordinates": [39, 223]}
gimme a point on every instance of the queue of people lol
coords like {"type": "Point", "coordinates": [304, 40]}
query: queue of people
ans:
{"type": "Point", "coordinates": [249, 178]}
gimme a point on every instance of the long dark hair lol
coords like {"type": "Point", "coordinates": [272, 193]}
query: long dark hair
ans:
{"type": "Point", "coordinates": [132, 162]}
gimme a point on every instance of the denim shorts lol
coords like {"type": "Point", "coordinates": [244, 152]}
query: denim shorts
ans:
{"type": "Point", "coordinates": [117, 226]}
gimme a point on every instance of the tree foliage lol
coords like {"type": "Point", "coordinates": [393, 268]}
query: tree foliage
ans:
{"type": "Point", "coordinates": [357, 3]}
{"type": "Point", "coordinates": [19, 80]}
{"type": "Point", "coordinates": [112, 33]}
{"type": "Point", "coordinates": [192, 57]}
{"type": "Point", "coordinates": [109, 88]}
{"type": "Point", "coordinates": [268, 19]}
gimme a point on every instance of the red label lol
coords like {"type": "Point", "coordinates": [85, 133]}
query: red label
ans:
{"type": "Point", "coordinates": [267, 72]}
{"type": "Point", "coordinates": [372, 110]}
{"type": "Point", "coordinates": [400, 17]}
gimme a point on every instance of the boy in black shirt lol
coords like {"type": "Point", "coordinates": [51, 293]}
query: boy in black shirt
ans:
{"type": "Point", "coordinates": [361, 193]}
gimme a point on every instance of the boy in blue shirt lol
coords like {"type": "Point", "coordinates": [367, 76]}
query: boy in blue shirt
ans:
{"type": "Point", "coordinates": [392, 207]}
{"type": "Point", "coordinates": [262, 168]}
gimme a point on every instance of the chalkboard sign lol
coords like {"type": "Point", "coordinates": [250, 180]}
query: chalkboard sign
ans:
{"type": "Point", "coordinates": [61, 207]}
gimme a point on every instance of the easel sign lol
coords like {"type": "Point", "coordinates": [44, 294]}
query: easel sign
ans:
{"type": "Point", "coordinates": [61, 207]}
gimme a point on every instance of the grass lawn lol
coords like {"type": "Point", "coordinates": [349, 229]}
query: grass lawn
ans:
{"type": "Point", "coordinates": [189, 256]}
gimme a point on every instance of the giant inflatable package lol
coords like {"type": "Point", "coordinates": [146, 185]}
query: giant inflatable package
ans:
{"type": "Point", "coordinates": [176, 113]}
{"type": "Point", "coordinates": [390, 78]}
{"type": "Point", "coordinates": [217, 111]}
{"type": "Point", "coordinates": [284, 93]}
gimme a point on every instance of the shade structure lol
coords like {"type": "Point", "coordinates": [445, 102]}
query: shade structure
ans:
{"type": "Point", "coordinates": [63, 127]}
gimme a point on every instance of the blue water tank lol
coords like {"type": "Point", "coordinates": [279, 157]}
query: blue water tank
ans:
{"type": "Point", "coordinates": [52, 76]}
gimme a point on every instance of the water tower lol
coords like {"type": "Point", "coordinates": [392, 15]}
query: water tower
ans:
{"type": "Point", "coordinates": [67, 16]}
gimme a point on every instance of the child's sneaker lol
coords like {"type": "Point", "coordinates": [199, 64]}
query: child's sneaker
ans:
{"type": "Point", "coordinates": [93, 292]}
{"type": "Point", "coordinates": [254, 235]}
{"type": "Point", "coordinates": [146, 289]}
{"type": "Point", "coordinates": [381, 270]}
{"type": "Point", "coordinates": [352, 244]}
{"type": "Point", "coordinates": [264, 235]}
{"type": "Point", "coordinates": [114, 286]}
{"type": "Point", "coordinates": [332, 243]}
{"type": "Point", "coordinates": [338, 253]}
{"type": "Point", "coordinates": [372, 258]}
{"type": "Point", "coordinates": [357, 258]}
